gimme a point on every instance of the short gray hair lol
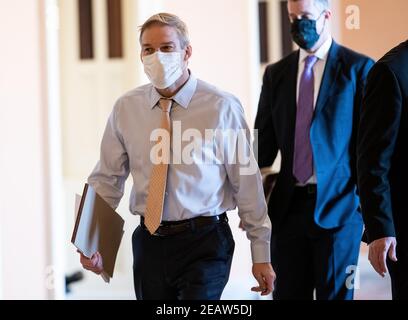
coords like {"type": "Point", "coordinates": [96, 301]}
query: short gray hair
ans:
{"type": "Point", "coordinates": [171, 20]}
{"type": "Point", "coordinates": [324, 4]}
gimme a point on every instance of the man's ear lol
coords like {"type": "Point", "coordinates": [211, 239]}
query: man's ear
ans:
{"type": "Point", "coordinates": [328, 14]}
{"type": "Point", "coordinates": [189, 52]}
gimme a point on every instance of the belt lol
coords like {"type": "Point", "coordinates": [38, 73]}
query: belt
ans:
{"type": "Point", "coordinates": [309, 189]}
{"type": "Point", "coordinates": [169, 228]}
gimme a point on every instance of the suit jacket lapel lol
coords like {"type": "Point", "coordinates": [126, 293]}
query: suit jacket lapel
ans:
{"type": "Point", "coordinates": [330, 74]}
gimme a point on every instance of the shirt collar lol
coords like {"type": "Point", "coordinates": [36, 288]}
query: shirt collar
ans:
{"type": "Point", "coordinates": [322, 53]}
{"type": "Point", "coordinates": [183, 96]}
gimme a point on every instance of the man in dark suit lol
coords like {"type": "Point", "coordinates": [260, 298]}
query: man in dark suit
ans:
{"type": "Point", "coordinates": [309, 110]}
{"type": "Point", "coordinates": [383, 167]}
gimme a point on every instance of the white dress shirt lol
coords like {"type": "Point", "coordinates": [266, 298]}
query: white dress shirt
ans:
{"type": "Point", "coordinates": [197, 189]}
{"type": "Point", "coordinates": [318, 69]}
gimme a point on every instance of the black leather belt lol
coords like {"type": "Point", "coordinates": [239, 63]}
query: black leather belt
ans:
{"type": "Point", "coordinates": [168, 228]}
{"type": "Point", "coordinates": [309, 189]}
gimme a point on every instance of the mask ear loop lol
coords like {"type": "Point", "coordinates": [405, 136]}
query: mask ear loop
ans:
{"type": "Point", "coordinates": [324, 24]}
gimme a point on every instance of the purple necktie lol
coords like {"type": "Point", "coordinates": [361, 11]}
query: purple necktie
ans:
{"type": "Point", "coordinates": [303, 157]}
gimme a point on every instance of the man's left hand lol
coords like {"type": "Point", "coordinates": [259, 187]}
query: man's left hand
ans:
{"type": "Point", "coordinates": [378, 251]}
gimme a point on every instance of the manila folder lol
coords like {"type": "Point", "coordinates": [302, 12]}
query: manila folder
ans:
{"type": "Point", "coordinates": [98, 228]}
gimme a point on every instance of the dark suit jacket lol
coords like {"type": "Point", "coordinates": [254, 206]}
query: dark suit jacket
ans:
{"type": "Point", "coordinates": [383, 147]}
{"type": "Point", "coordinates": [333, 134]}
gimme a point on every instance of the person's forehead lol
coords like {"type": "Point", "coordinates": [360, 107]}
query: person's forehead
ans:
{"type": "Point", "coordinates": [161, 33]}
{"type": "Point", "coordinates": [304, 6]}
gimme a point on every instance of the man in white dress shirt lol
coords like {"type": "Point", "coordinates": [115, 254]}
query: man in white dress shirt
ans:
{"type": "Point", "coordinates": [184, 246]}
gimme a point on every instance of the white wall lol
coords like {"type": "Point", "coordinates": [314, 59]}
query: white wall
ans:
{"type": "Point", "coordinates": [23, 202]}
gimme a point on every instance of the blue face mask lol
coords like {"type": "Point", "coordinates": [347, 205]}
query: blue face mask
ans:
{"type": "Point", "coordinates": [304, 32]}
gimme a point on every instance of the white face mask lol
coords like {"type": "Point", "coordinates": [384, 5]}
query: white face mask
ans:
{"type": "Point", "coordinates": [163, 68]}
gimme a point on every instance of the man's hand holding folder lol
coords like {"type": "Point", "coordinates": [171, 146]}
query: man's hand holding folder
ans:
{"type": "Point", "coordinates": [94, 264]}
{"type": "Point", "coordinates": [98, 232]}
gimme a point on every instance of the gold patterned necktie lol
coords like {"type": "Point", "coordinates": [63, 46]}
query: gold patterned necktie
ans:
{"type": "Point", "coordinates": [158, 178]}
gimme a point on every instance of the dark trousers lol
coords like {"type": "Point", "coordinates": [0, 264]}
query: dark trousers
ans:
{"type": "Point", "coordinates": [307, 258]}
{"type": "Point", "coordinates": [193, 265]}
{"type": "Point", "coordinates": [399, 271]}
